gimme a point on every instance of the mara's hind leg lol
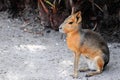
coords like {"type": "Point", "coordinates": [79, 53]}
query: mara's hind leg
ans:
{"type": "Point", "coordinates": [99, 65]}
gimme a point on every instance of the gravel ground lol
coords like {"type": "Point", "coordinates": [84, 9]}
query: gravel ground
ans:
{"type": "Point", "coordinates": [29, 56]}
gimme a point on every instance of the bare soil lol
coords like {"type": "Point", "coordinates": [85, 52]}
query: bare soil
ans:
{"type": "Point", "coordinates": [31, 56]}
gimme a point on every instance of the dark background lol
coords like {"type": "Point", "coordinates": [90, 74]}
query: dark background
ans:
{"type": "Point", "coordinates": [105, 14]}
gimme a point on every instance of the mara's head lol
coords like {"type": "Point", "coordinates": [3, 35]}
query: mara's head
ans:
{"type": "Point", "coordinates": [71, 23]}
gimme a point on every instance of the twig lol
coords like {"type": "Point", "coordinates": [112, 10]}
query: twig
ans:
{"type": "Point", "coordinates": [72, 7]}
{"type": "Point", "coordinates": [97, 6]}
{"type": "Point", "coordinates": [59, 1]}
{"type": "Point", "coordinates": [52, 6]}
{"type": "Point", "coordinates": [48, 2]}
{"type": "Point", "coordinates": [95, 26]}
{"type": "Point", "coordinates": [71, 3]}
{"type": "Point", "coordinates": [54, 2]}
{"type": "Point", "coordinates": [44, 7]}
{"type": "Point", "coordinates": [93, 5]}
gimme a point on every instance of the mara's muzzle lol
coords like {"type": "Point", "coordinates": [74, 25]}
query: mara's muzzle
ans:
{"type": "Point", "coordinates": [61, 28]}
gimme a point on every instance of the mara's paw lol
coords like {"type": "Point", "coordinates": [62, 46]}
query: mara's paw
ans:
{"type": "Point", "coordinates": [93, 73]}
{"type": "Point", "coordinates": [84, 69]}
{"type": "Point", "coordinates": [74, 76]}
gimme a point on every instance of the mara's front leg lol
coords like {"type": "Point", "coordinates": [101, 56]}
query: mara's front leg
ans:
{"type": "Point", "coordinates": [76, 63]}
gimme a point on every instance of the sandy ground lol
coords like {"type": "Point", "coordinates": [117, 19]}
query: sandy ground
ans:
{"type": "Point", "coordinates": [28, 56]}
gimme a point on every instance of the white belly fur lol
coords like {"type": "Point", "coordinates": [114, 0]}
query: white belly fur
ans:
{"type": "Point", "coordinates": [91, 64]}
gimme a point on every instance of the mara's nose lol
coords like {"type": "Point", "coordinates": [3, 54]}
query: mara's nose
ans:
{"type": "Point", "coordinates": [60, 27]}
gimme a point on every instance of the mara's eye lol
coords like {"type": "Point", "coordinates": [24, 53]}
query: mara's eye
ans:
{"type": "Point", "coordinates": [70, 22]}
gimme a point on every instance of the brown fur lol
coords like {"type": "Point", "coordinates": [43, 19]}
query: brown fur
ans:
{"type": "Point", "coordinates": [85, 42]}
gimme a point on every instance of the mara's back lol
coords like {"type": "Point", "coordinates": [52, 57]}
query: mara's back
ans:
{"type": "Point", "coordinates": [94, 41]}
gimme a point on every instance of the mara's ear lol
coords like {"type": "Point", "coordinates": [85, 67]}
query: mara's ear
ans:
{"type": "Point", "coordinates": [73, 10]}
{"type": "Point", "coordinates": [78, 17]}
